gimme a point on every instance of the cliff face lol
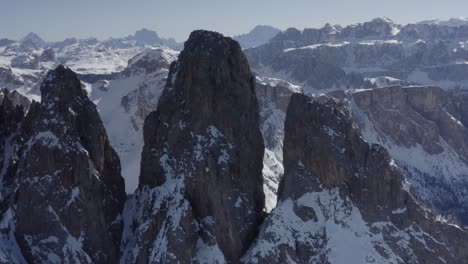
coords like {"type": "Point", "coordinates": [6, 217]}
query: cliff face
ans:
{"type": "Point", "coordinates": [11, 117]}
{"type": "Point", "coordinates": [425, 130]}
{"type": "Point", "coordinates": [200, 196]}
{"type": "Point", "coordinates": [343, 199]}
{"type": "Point", "coordinates": [216, 129]}
{"type": "Point", "coordinates": [273, 97]}
{"type": "Point", "coordinates": [67, 192]}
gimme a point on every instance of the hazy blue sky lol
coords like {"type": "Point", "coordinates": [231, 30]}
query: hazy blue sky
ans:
{"type": "Point", "coordinates": [58, 19]}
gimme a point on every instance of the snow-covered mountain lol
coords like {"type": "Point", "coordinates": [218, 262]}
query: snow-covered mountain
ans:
{"type": "Point", "coordinates": [423, 53]}
{"type": "Point", "coordinates": [23, 64]}
{"type": "Point", "coordinates": [258, 36]}
{"type": "Point", "coordinates": [452, 22]}
{"type": "Point", "coordinates": [425, 132]}
{"type": "Point", "coordinates": [124, 102]}
{"type": "Point", "coordinates": [342, 200]}
{"type": "Point", "coordinates": [148, 37]}
{"type": "Point", "coordinates": [232, 167]}
{"type": "Point", "coordinates": [62, 193]}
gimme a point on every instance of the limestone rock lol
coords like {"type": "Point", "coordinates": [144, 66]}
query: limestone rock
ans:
{"type": "Point", "coordinates": [200, 197]}
{"type": "Point", "coordinates": [69, 192]}
{"type": "Point", "coordinates": [344, 199]}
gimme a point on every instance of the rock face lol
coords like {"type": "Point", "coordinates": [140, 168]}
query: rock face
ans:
{"type": "Point", "coordinates": [68, 192]}
{"type": "Point", "coordinates": [14, 99]}
{"type": "Point", "coordinates": [342, 200]}
{"type": "Point", "coordinates": [200, 197]}
{"type": "Point", "coordinates": [273, 97]}
{"type": "Point", "coordinates": [154, 66]}
{"type": "Point", "coordinates": [341, 57]}
{"type": "Point", "coordinates": [125, 101]}
{"type": "Point", "coordinates": [308, 71]}
{"type": "Point", "coordinates": [11, 116]}
{"type": "Point", "coordinates": [425, 131]}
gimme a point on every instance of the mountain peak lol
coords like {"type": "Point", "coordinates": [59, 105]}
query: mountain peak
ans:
{"type": "Point", "coordinates": [208, 103]}
{"type": "Point", "coordinates": [150, 37]}
{"type": "Point", "coordinates": [201, 39]}
{"type": "Point", "coordinates": [33, 38]}
{"type": "Point", "coordinates": [259, 35]}
{"type": "Point", "coordinates": [382, 20]}
{"type": "Point", "coordinates": [146, 36]}
{"type": "Point", "coordinates": [263, 28]}
{"type": "Point", "coordinates": [61, 83]}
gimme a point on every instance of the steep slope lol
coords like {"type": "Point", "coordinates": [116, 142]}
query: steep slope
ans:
{"type": "Point", "coordinates": [425, 131]}
{"type": "Point", "coordinates": [68, 192]}
{"type": "Point", "coordinates": [273, 97]}
{"type": "Point", "coordinates": [125, 101]}
{"type": "Point", "coordinates": [342, 200]}
{"type": "Point", "coordinates": [200, 197]}
{"type": "Point", "coordinates": [123, 98]}
{"type": "Point", "coordinates": [11, 116]}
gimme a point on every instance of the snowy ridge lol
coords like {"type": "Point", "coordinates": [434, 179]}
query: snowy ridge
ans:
{"type": "Point", "coordinates": [24, 64]}
{"type": "Point", "coordinates": [333, 226]}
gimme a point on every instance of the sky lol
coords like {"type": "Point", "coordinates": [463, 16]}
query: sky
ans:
{"type": "Point", "coordinates": [58, 19]}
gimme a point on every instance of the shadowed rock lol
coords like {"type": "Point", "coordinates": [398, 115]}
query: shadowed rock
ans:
{"type": "Point", "coordinates": [343, 199]}
{"type": "Point", "coordinates": [69, 190]}
{"type": "Point", "coordinates": [200, 192]}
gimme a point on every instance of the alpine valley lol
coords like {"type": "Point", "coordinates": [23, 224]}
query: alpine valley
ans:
{"type": "Point", "coordinates": [340, 144]}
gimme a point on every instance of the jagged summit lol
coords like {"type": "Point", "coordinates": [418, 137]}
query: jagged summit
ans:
{"type": "Point", "coordinates": [10, 99]}
{"type": "Point", "coordinates": [200, 39]}
{"type": "Point", "coordinates": [61, 83]}
{"type": "Point", "coordinates": [198, 162]}
{"type": "Point", "coordinates": [62, 172]}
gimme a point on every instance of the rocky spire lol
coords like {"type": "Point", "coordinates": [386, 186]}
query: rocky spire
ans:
{"type": "Point", "coordinates": [12, 111]}
{"type": "Point", "coordinates": [343, 199]}
{"type": "Point", "coordinates": [70, 193]}
{"type": "Point", "coordinates": [201, 171]}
